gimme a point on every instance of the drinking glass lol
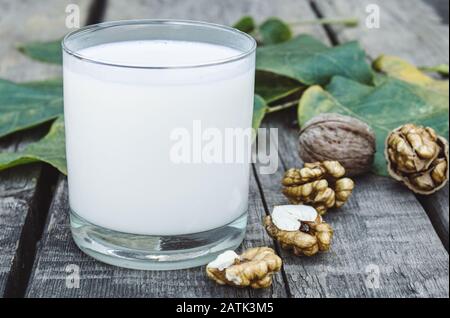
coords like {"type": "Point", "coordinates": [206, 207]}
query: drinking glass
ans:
{"type": "Point", "coordinates": [143, 192]}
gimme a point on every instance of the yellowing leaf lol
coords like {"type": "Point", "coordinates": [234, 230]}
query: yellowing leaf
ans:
{"type": "Point", "coordinates": [398, 68]}
{"type": "Point", "coordinates": [441, 69]}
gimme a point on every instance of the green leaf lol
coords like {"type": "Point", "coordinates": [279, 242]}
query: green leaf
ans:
{"type": "Point", "coordinates": [52, 86]}
{"type": "Point", "coordinates": [273, 87]}
{"type": "Point", "coordinates": [274, 31]}
{"type": "Point", "coordinates": [259, 111]}
{"type": "Point", "coordinates": [245, 24]}
{"type": "Point", "coordinates": [26, 105]}
{"type": "Point", "coordinates": [49, 52]}
{"type": "Point", "coordinates": [311, 62]}
{"type": "Point", "coordinates": [49, 149]}
{"type": "Point", "coordinates": [384, 107]}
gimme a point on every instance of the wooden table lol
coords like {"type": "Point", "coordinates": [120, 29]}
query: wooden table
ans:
{"type": "Point", "coordinates": [388, 243]}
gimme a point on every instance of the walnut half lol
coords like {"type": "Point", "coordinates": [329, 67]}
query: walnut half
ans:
{"type": "Point", "coordinates": [320, 184]}
{"type": "Point", "coordinates": [299, 229]}
{"type": "Point", "coordinates": [254, 267]}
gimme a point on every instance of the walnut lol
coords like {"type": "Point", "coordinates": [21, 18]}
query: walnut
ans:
{"type": "Point", "coordinates": [299, 228]}
{"type": "Point", "coordinates": [418, 157]}
{"type": "Point", "coordinates": [320, 184]}
{"type": "Point", "coordinates": [339, 138]}
{"type": "Point", "coordinates": [255, 268]}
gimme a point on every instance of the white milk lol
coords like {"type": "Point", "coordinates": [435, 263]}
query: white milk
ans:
{"type": "Point", "coordinates": [118, 126]}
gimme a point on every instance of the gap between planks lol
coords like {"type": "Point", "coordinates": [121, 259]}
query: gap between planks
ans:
{"type": "Point", "coordinates": [31, 233]}
{"type": "Point", "coordinates": [24, 202]}
{"type": "Point", "coordinates": [37, 206]}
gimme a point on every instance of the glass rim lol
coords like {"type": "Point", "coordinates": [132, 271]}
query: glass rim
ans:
{"type": "Point", "coordinates": [104, 25]}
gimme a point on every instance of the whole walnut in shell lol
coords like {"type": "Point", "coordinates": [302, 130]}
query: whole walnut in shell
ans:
{"type": "Point", "coordinates": [418, 157]}
{"type": "Point", "coordinates": [340, 138]}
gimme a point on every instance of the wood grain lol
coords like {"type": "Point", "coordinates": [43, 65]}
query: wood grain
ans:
{"type": "Point", "coordinates": [23, 190]}
{"type": "Point", "coordinates": [436, 206]}
{"type": "Point", "coordinates": [441, 7]}
{"type": "Point", "coordinates": [382, 228]}
{"type": "Point", "coordinates": [216, 11]}
{"type": "Point", "coordinates": [411, 31]}
{"type": "Point", "coordinates": [17, 192]}
{"type": "Point", "coordinates": [414, 32]}
{"type": "Point", "coordinates": [27, 20]}
{"type": "Point", "coordinates": [57, 251]}
{"type": "Point", "coordinates": [384, 244]}
{"type": "Point", "coordinates": [24, 196]}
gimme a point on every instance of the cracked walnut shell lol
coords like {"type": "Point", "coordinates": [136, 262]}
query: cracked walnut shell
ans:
{"type": "Point", "coordinates": [418, 157]}
{"type": "Point", "coordinates": [311, 236]}
{"type": "Point", "coordinates": [320, 184]}
{"type": "Point", "coordinates": [255, 268]}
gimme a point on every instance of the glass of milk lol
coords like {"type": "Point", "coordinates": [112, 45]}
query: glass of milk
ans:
{"type": "Point", "coordinates": [156, 115]}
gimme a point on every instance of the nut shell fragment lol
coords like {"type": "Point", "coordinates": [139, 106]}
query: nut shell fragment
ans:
{"type": "Point", "coordinates": [418, 158]}
{"type": "Point", "coordinates": [254, 267]}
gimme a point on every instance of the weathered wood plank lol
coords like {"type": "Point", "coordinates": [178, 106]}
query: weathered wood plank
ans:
{"type": "Point", "coordinates": [382, 228]}
{"type": "Point", "coordinates": [17, 191]}
{"type": "Point", "coordinates": [24, 190]}
{"type": "Point", "coordinates": [24, 21]}
{"type": "Point", "coordinates": [437, 208]}
{"type": "Point", "coordinates": [414, 32]}
{"type": "Point", "coordinates": [57, 251]}
{"type": "Point", "coordinates": [216, 11]}
{"type": "Point", "coordinates": [411, 31]}
{"type": "Point", "coordinates": [441, 7]}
